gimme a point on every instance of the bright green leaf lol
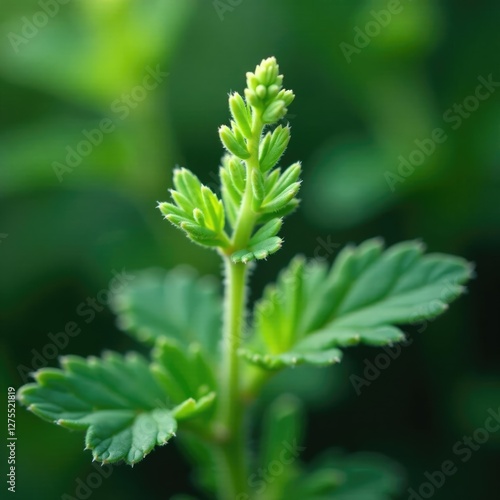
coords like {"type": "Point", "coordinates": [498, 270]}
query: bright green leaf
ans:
{"type": "Point", "coordinates": [258, 250]}
{"type": "Point", "coordinates": [116, 400]}
{"type": "Point", "coordinates": [362, 298]}
{"type": "Point", "coordinates": [273, 146]}
{"type": "Point", "coordinates": [197, 210]}
{"type": "Point", "coordinates": [268, 230]}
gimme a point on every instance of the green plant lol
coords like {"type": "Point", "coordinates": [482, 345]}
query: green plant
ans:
{"type": "Point", "coordinates": [202, 384]}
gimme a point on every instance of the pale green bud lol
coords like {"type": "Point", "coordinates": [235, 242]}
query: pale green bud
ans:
{"type": "Point", "coordinates": [287, 96]}
{"type": "Point", "coordinates": [273, 146]}
{"type": "Point", "coordinates": [232, 144]}
{"type": "Point", "coordinates": [252, 98]}
{"type": "Point", "coordinates": [274, 112]}
{"type": "Point", "coordinates": [199, 217]}
{"type": "Point", "coordinates": [241, 114]}
{"type": "Point", "coordinates": [257, 189]}
{"type": "Point", "coordinates": [261, 91]}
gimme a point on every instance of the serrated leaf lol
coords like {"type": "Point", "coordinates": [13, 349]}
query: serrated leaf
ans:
{"type": "Point", "coordinates": [116, 400]}
{"type": "Point", "coordinates": [232, 175]}
{"type": "Point", "coordinates": [214, 211]}
{"type": "Point", "coordinates": [294, 358]}
{"type": "Point", "coordinates": [197, 210]}
{"type": "Point", "coordinates": [188, 185]}
{"type": "Point", "coordinates": [258, 251]}
{"type": "Point", "coordinates": [177, 304]}
{"type": "Point", "coordinates": [237, 171]}
{"type": "Point", "coordinates": [290, 207]}
{"type": "Point", "coordinates": [241, 114]}
{"type": "Point", "coordinates": [362, 298]}
{"type": "Point", "coordinates": [286, 179]}
{"type": "Point", "coordinates": [273, 146]}
{"type": "Point", "coordinates": [200, 234]}
{"type": "Point", "coordinates": [258, 188]}
{"type": "Point", "coordinates": [234, 142]}
{"type": "Point", "coordinates": [268, 230]}
{"type": "Point", "coordinates": [276, 202]}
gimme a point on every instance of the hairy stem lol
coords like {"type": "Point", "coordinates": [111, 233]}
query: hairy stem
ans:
{"type": "Point", "coordinates": [233, 474]}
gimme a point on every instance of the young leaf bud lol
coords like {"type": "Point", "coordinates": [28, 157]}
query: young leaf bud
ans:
{"type": "Point", "coordinates": [261, 91]}
{"type": "Point", "coordinates": [240, 114]}
{"type": "Point", "coordinates": [269, 229]}
{"type": "Point", "coordinates": [257, 188]}
{"type": "Point", "coordinates": [199, 217]}
{"type": "Point", "coordinates": [232, 144]}
{"type": "Point", "coordinates": [277, 203]}
{"type": "Point", "coordinates": [273, 146]}
{"type": "Point", "coordinates": [274, 112]}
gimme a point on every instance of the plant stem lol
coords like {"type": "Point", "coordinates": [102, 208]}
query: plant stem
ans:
{"type": "Point", "coordinates": [233, 473]}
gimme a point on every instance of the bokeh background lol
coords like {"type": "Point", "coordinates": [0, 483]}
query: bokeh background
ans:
{"type": "Point", "coordinates": [65, 229]}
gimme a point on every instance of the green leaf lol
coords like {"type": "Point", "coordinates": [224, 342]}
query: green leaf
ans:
{"type": "Point", "coordinates": [366, 476]}
{"type": "Point", "coordinates": [116, 400]}
{"type": "Point", "coordinates": [298, 356]}
{"type": "Point", "coordinates": [285, 180]}
{"type": "Point", "coordinates": [274, 204]}
{"type": "Point", "coordinates": [233, 180]}
{"type": "Point", "coordinates": [241, 114]}
{"type": "Point", "coordinates": [197, 210]}
{"type": "Point", "coordinates": [258, 189]}
{"type": "Point", "coordinates": [281, 190]}
{"type": "Point", "coordinates": [234, 143]}
{"type": "Point", "coordinates": [274, 112]}
{"type": "Point", "coordinates": [268, 230]}
{"type": "Point", "coordinates": [185, 375]}
{"type": "Point", "coordinates": [177, 304]}
{"type": "Point", "coordinates": [258, 250]}
{"type": "Point", "coordinates": [362, 298]}
{"type": "Point", "coordinates": [273, 146]}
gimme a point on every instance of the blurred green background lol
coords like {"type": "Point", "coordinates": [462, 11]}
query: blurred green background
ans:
{"type": "Point", "coordinates": [363, 101]}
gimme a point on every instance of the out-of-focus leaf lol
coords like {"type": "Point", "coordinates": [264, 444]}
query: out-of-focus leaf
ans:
{"type": "Point", "coordinates": [178, 304]}
{"type": "Point", "coordinates": [114, 43]}
{"type": "Point", "coordinates": [280, 443]}
{"type": "Point", "coordinates": [476, 400]}
{"type": "Point", "coordinates": [366, 476]}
